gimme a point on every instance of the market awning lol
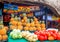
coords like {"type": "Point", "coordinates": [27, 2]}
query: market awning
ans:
{"type": "Point", "coordinates": [35, 2]}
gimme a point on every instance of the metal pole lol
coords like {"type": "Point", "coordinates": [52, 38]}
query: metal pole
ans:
{"type": "Point", "coordinates": [46, 16]}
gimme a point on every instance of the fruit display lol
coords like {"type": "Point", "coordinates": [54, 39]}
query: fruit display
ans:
{"type": "Point", "coordinates": [3, 30]}
{"type": "Point", "coordinates": [27, 24]}
{"type": "Point", "coordinates": [32, 37]}
{"type": "Point", "coordinates": [3, 33]}
{"type": "Point", "coordinates": [37, 35]}
{"type": "Point", "coordinates": [23, 24]}
{"type": "Point", "coordinates": [17, 34]}
{"type": "Point", "coordinates": [48, 35]}
{"type": "Point", "coordinates": [29, 36]}
{"type": "Point", "coordinates": [4, 37]}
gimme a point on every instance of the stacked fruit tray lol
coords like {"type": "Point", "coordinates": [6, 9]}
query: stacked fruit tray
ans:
{"type": "Point", "coordinates": [3, 31]}
{"type": "Point", "coordinates": [37, 36]}
{"type": "Point", "coordinates": [28, 24]}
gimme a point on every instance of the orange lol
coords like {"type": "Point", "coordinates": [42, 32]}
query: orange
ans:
{"type": "Point", "coordinates": [12, 19]}
{"type": "Point", "coordinates": [0, 37]}
{"type": "Point", "coordinates": [43, 28]}
{"type": "Point", "coordinates": [14, 23]}
{"type": "Point", "coordinates": [39, 28]}
{"type": "Point", "coordinates": [32, 24]}
{"type": "Point", "coordinates": [24, 24]}
{"type": "Point", "coordinates": [26, 28]}
{"type": "Point", "coordinates": [31, 29]}
{"type": "Point", "coordinates": [35, 19]}
{"type": "Point", "coordinates": [42, 25]}
{"type": "Point", "coordinates": [50, 38]}
{"type": "Point", "coordinates": [28, 24]}
{"type": "Point", "coordinates": [6, 28]}
{"type": "Point", "coordinates": [19, 23]}
{"type": "Point", "coordinates": [20, 27]}
{"type": "Point", "coordinates": [5, 37]}
{"type": "Point", "coordinates": [22, 21]}
{"type": "Point", "coordinates": [3, 31]}
{"type": "Point", "coordinates": [37, 25]}
{"type": "Point", "coordinates": [34, 28]}
{"type": "Point", "coordinates": [25, 18]}
{"type": "Point", "coordinates": [13, 27]}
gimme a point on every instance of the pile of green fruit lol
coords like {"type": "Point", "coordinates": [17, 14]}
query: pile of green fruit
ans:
{"type": "Point", "coordinates": [16, 34]}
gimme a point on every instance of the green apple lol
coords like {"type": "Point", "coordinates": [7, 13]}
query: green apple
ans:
{"type": "Point", "coordinates": [14, 36]}
{"type": "Point", "coordinates": [20, 36]}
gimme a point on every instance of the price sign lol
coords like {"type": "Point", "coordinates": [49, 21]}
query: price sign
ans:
{"type": "Point", "coordinates": [10, 6]}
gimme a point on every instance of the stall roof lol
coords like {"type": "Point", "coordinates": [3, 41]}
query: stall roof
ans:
{"type": "Point", "coordinates": [28, 2]}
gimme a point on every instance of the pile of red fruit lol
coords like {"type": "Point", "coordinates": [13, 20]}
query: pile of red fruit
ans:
{"type": "Point", "coordinates": [48, 35]}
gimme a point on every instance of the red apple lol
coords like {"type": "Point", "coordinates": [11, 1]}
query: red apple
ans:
{"type": "Point", "coordinates": [55, 36]}
{"type": "Point", "coordinates": [41, 38]}
{"type": "Point", "coordinates": [45, 37]}
{"type": "Point", "coordinates": [58, 36]}
{"type": "Point", "coordinates": [37, 32]}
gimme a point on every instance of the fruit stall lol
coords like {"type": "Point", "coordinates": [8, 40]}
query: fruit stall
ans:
{"type": "Point", "coordinates": [27, 23]}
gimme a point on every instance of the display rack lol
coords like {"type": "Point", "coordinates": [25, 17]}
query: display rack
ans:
{"type": "Point", "coordinates": [28, 3]}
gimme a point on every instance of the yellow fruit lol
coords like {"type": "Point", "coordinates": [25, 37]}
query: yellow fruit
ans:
{"type": "Point", "coordinates": [6, 28]}
{"type": "Point", "coordinates": [43, 28]}
{"type": "Point", "coordinates": [24, 24]}
{"type": "Point", "coordinates": [14, 23]}
{"type": "Point", "coordinates": [20, 27]}
{"type": "Point", "coordinates": [28, 24]}
{"type": "Point", "coordinates": [22, 21]}
{"type": "Point", "coordinates": [26, 28]}
{"type": "Point", "coordinates": [30, 29]}
{"type": "Point", "coordinates": [32, 24]}
{"type": "Point", "coordinates": [13, 27]}
{"type": "Point", "coordinates": [36, 22]}
{"type": "Point", "coordinates": [38, 28]}
{"type": "Point", "coordinates": [35, 19]}
{"type": "Point", "coordinates": [34, 28]}
{"type": "Point", "coordinates": [25, 18]}
{"type": "Point", "coordinates": [12, 19]}
{"type": "Point", "coordinates": [37, 25]}
{"type": "Point", "coordinates": [42, 25]}
{"type": "Point", "coordinates": [19, 23]}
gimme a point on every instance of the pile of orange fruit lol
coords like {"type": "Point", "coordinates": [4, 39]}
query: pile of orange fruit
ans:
{"type": "Point", "coordinates": [24, 24]}
{"type": "Point", "coordinates": [3, 35]}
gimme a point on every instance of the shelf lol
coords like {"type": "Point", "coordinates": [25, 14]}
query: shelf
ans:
{"type": "Point", "coordinates": [24, 40]}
